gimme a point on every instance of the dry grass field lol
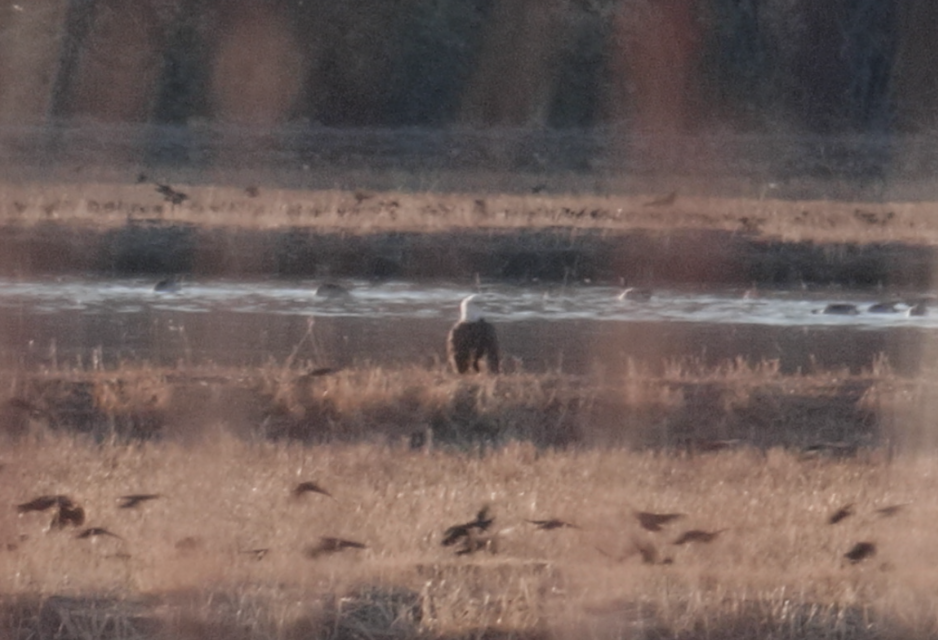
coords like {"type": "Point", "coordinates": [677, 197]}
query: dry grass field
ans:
{"type": "Point", "coordinates": [227, 550]}
{"type": "Point", "coordinates": [230, 549]}
{"type": "Point", "coordinates": [108, 205]}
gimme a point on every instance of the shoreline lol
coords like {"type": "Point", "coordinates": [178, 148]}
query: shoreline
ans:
{"type": "Point", "coordinates": [128, 230]}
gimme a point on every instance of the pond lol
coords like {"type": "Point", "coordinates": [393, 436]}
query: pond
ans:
{"type": "Point", "coordinates": [577, 329]}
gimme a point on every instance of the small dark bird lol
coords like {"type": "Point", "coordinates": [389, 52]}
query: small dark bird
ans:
{"type": "Point", "coordinates": [697, 535]}
{"type": "Point", "coordinates": [41, 503]}
{"type": "Point", "coordinates": [259, 554]}
{"type": "Point", "coordinates": [318, 372]}
{"type": "Point", "coordinates": [663, 201]}
{"type": "Point", "coordinates": [135, 499]}
{"type": "Point", "coordinates": [252, 191]}
{"type": "Point", "coordinates": [68, 512]}
{"type": "Point", "coordinates": [167, 285]}
{"type": "Point", "coordinates": [457, 532]}
{"type": "Point", "coordinates": [477, 543]}
{"type": "Point", "coordinates": [920, 308]}
{"type": "Point", "coordinates": [637, 294]}
{"type": "Point", "coordinates": [97, 531]}
{"type": "Point", "coordinates": [647, 550]}
{"type": "Point", "coordinates": [332, 290]}
{"type": "Point", "coordinates": [553, 523]}
{"type": "Point", "coordinates": [861, 551]}
{"type": "Point", "coordinates": [189, 544]}
{"type": "Point", "coordinates": [883, 307]}
{"type": "Point", "coordinates": [309, 487]}
{"type": "Point", "coordinates": [171, 195]}
{"type": "Point", "coordinates": [844, 512]}
{"type": "Point", "coordinates": [471, 339]}
{"type": "Point", "coordinates": [332, 545]}
{"type": "Point", "coordinates": [891, 510]}
{"type": "Point", "coordinates": [654, 521]}
{"type": "Point", "coordinates": [840, 309]}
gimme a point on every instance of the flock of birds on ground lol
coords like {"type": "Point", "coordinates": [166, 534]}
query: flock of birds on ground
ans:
{"type": "Point", "coordinates": [467, 537]}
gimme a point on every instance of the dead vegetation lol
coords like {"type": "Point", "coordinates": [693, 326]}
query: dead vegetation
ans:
{"type": "Point", "coordinates": [292, 506]}
{"type": "Point", "coordinates": [112, 205]}
{"type": "Point", "coordinates": [227, 547]}
{"type": "Point", "coordinates": [686, 407]}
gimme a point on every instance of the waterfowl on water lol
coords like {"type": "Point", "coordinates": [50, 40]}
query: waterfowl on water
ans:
{"type": "Point", "coordinates": [167, 285]}
{"type": "Point", "coordinates": [920, 308]}
{"type": "Point", "coordinates": [331, 290]}
{"type": "Point", "coordinates": [883, 307]}
{"type": "Point", "coordinates": [471, 339]}
{"type": "Point", "coordinates": [638, 294]}
{"type": "Point", "coordinates": [840, 309]}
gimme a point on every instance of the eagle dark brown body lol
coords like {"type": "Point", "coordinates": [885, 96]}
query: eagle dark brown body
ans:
{"type": "Point", "coordinates": [471, 340]}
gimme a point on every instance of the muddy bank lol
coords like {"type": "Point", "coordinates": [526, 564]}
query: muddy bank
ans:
{"type": "Point", "coordinates": [659, 258]}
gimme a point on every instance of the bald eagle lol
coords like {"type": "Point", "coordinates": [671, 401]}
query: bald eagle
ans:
{"type": "Point", "coordinates": [471, 339]}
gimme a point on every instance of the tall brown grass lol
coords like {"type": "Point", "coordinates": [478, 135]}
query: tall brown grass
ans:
{"type": "Point", "coordinates": [106, 205]}
{"type": "Point", "coordinates": [222, 552]}
{"type": "Point", "coordinates": [188, 563]}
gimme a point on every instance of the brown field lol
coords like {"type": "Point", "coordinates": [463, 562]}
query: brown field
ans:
{"type": "Point", "coordinates": [227, 551]}
{"type": "Point", "coordinates": [110, 205]}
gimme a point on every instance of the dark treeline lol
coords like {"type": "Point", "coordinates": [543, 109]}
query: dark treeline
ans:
{"type": "Point", "coordinates": [837, 65]}
{"type": "Point", "coordinates": [651, 67]}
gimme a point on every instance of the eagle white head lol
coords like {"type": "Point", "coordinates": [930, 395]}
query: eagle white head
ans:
{"type": "Point", "coordinates": [469, 310]}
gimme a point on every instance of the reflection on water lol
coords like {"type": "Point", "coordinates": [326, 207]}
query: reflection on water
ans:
{"type": "Point", "coordinates": [576, 329]}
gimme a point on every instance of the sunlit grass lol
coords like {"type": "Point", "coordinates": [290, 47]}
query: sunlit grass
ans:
{"type": "Point", "coordinates": [104, 205]}
{"type": "Point", "coordinates": [224, 547]}
{"type": "Point", "coordinates": [776, 567]}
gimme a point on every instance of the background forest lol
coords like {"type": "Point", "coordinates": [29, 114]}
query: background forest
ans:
{"type": "Point", "coordinates": [571, 74]}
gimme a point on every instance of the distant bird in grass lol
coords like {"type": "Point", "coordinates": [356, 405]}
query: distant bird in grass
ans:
{"type": "Point", "coordinates": [461, 531]}
{"type": "Point", "coordinates": [697, 535]}
{"type": "Point", "coordinates": [654, 521]}
{"type": "Point", "coordinates": [171, 195]}
{"type": "Point", "coordinates": [891, 510]}
{"type": "Point", "coordinates": [861, 551]}
{"type": "Point", "coordinates": [94, 532]}
{"type": "Point", "coordinates": [844, 512]}
{"type": "Point", "coordinates": [136, 499]}
{"type": "Point", "coordinates": [68, 512]}
{"type": "Point", "coordinates": [41, 503]}
{"type": "Point", "coordinates": [259, 554]}
{"type": "Point", "coordinates": [309, 487]}
{"type": "Point", "coordinates": [332, 545]}
{"type": "Point", "coordinates": [471, 339]}
{"type": "Point", "coordinates": [646, 549]}
{"type": "Point", "coordinates": [471, 544]}
{"type": "Point", "coordinates": [663, 201]}
{"type": "Point", "coordinates": [551, 524]}
{"type": "Point", "coordinates": [636, 294]}
{"type": "Point", "coordinates": [319, 372]}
